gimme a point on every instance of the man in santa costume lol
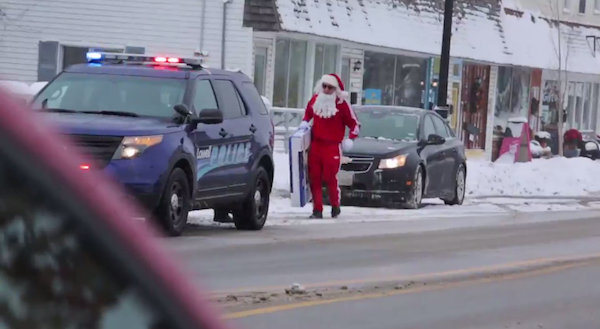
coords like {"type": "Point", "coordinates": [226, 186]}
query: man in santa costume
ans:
{"type": "Point", "coordinates": [331, 114]}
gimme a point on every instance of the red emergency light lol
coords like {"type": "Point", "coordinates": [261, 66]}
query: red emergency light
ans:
{"type": "Point", "coordinates": [170, 60]}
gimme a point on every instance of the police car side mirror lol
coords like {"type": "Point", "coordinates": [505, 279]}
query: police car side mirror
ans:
{"type": "Point", "coordinates": [210, 116]}
{"type": "Point", "coordinates": [183, 110]}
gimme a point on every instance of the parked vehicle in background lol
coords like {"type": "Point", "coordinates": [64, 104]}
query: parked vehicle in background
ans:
{"type": "Point", "coordinates": [179, 137]}
{"type": "Point", "coordinates": [402, 156]}
{"type": "Point", "coordinates": [70, 254]}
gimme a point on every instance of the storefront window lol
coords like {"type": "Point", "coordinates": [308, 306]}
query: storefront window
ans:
{"type": "Point", "coordinates": [550, 103]}
{"type": "Point", "coordinates": [587, 97]}
{"type": "Point", "coordinates": [290, 68]}
{"type": "Point", "coordinates": [325, 60]}
{"type": "Point", "coordinates": [571, 104]}
{"type": "Point", "coordinates": [393, 80]}
{"type": "Point", "coordinates": [512, 98]}
{"type": "Point", "coordinates": [346, 72]}
{"type": "Point", "coordinates": [260, 69]}
{"type": "Point", "coordinates": [594, 109]}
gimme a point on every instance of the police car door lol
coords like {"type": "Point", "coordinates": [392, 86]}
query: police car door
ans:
{"type": "Point", "coordinates": [238, 124]}
{"type": "Point", "coordinates": [210, 141]}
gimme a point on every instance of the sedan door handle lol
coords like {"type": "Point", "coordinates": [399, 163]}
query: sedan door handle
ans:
{"type": "Point", "coordinates": [252, 128]}
{"type": "Point", "coordinates": [223, 133]}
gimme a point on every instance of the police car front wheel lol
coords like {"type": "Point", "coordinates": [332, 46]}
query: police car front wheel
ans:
{"type": "Point", "coordinates": [253, 212]}
{"type": "Point", "coordinates": [175, 204]}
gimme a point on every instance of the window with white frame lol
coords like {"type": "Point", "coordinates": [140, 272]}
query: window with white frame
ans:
{"type": "Point", "coordinates": [567, 5]}
{"type": "Point", "coordinates": [325, 60]}
{"type": "Point", "coordinates": [582, 6]}
{"type": "Point", "coordinates": [290, 68]}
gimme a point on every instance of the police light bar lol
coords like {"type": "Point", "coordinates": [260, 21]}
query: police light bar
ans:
{"type": "Point", "coordinates": [102, 57]}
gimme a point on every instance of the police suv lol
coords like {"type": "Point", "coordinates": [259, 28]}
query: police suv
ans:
{"type": "Point", "coordinates": [178, 136]}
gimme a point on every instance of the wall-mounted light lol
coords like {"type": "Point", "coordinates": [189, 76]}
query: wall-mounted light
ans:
{"type": "Point", "coordinates": [434, 84]}
{"type": "Point", "coordinates": [356, 66]}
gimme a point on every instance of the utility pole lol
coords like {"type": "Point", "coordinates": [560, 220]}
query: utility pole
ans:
{"type": "Point", "coordinates": [445, 59]}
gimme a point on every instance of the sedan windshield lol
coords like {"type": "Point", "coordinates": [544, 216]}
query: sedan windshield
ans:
{"type": "Point", "coordinates": [112, 94]}
{"type": "Point", "coordinates": [386, 124]}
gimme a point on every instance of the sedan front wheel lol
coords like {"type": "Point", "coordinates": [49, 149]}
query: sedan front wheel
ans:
{"type": "Point", "coordinates": [416, 195]}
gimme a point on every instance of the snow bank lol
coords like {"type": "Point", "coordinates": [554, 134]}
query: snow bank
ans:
{"type": "Point", "coordinates": [558, 177]}
{"type": "Point", "coordinates": [541, 177]}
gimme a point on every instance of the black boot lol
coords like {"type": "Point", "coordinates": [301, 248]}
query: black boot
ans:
{"type": "Point", "coordinates": [316, 215]}
{"type": "Point", "coordinates": [335, 212]}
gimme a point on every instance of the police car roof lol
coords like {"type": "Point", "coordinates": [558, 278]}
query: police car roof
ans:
{"type": "Point", "coordinates": [157, 71]}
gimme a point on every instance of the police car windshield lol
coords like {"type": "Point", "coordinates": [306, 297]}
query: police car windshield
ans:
{"type": "Point", "coordinates": [105, 94]}
{"type": "Point", "coordinates": [385, 124]}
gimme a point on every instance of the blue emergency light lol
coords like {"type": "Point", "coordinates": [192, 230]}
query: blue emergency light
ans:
{"type": "Point", "coordinates": [93, 56]}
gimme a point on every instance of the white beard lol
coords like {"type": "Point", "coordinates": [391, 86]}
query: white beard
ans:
{"type": "Point", "coordinates": [325, 105]}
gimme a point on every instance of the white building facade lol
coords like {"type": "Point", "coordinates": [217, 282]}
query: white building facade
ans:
{"type": "Point", "coordinates": [39, 38]}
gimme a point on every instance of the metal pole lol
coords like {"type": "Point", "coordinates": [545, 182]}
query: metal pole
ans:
{"type": "Point", "coordinates": [445, 59]}
{"type": "Point", "coordinates": [223, 33]}
{"type": "Point", "coordinates": [202, 25]}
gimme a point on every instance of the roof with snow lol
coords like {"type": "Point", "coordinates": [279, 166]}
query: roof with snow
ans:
{"type": "Point", "coordinates": [482, 29]}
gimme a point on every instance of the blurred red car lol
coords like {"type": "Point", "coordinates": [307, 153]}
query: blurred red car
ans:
{"type": "Point", "coordinates": [70, 254]}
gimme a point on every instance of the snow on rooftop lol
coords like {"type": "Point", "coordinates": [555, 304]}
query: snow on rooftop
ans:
{"type": "Point", "coordinates": [482, 30]}
{"type": "Point", "coordinates": [533, 41]}
{"type": "Point", "coordinates": [408, 25]}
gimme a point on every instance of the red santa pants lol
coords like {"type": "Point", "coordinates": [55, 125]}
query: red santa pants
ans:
{"type": "Point", "coordinates": [323, 166]}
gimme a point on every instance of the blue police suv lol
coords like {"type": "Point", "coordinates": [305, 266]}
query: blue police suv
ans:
{"type": "Point", "coordinates": [178, 136]}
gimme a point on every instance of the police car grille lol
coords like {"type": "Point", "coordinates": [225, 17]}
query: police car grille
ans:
{"type": "Point", "coordinates": [99, 149]}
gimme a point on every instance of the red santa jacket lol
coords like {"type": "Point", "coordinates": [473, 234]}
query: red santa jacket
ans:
{"type": "Point", "coordinates": [332, 130]}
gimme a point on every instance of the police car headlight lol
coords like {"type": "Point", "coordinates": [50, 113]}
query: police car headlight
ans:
{"type": "Point", "coordinates": [392, 163]}
{"type": "Point", "coordinates": [133, 146]}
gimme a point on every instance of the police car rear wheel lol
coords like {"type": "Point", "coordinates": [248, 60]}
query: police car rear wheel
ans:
{"type": "Point", "coordinates": [253, 213]}
{"type": "Point", "coordinates": [174, 206]}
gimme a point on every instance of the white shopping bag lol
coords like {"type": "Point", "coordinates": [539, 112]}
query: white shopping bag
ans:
{"type": "Point", "coordinates": [299, 144]}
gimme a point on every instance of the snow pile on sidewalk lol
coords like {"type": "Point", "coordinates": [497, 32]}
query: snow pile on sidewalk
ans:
{"type": "Point", "coordinates": [541, 177]}
{"type": "Point", "coordinates": [557, 177]}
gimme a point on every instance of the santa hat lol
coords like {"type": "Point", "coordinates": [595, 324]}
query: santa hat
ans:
{"type": "Point", "coordinates": [333, 80]}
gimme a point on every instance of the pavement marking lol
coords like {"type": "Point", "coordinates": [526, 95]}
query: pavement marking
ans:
{"type": "Point", "coordinates": [483, 270]}
{"type": "Point", "coordinates": [382, 294]}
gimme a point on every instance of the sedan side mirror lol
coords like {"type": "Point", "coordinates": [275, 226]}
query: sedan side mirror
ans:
{"type": "Point", "coordinates": [210, 116]}
{"type": "Point", "coordinates": [434, 139]}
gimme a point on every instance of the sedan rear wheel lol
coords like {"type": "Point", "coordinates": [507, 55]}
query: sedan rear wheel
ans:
{"type": "Point", "coordinates": [459, 188]}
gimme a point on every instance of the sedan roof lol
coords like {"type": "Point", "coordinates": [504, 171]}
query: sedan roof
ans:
{"type": "Point", "coordinates": [407, 109]}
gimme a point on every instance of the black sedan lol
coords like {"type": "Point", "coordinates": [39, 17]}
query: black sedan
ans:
{"type": "Point", "coordinates": [403, 155]}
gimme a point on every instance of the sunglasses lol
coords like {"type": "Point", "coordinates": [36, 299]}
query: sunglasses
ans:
{"type": "Point", "coordinates": [326, 86]}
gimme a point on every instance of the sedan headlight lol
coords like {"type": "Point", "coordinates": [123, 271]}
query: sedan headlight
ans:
{"type": "Point", "coordinates": [133, 146]}
{"type": "Point", "coordinates": [395, 162]}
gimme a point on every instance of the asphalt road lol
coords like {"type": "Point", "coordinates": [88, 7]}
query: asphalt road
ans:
{"type": "Point", "coordinates": [493, 272]}
{"type": "Point", "coordinates": [563, 299]}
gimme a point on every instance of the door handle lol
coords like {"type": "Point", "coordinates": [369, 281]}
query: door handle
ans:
{"type": "Point", "coordinates": [223, 133]}
{"type": "Point", "coordinates": [252, 128]}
